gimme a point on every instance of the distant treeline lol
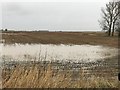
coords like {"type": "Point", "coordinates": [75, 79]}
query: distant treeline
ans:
{"type": "Point", "coordinates": [4, 29]}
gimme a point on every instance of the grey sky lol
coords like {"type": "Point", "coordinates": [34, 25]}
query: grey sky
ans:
{"type": "Point", "coordinates": [51, 15]}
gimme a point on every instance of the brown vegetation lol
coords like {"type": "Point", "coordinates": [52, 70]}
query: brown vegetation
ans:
{"type": "Point", "coordinates": [38, 76]}
{"type": "Point", "coordinates": [92, 38]}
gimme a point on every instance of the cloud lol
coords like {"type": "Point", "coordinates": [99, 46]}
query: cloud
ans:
{"type": "Point", "coordinates": [0, 16]}
{"type": "Point", "coordinates": [51, 15]}
{"type": "Point", "coordinates": [14, 8]}
{"type": "Point", "coordinates": [56, 0]}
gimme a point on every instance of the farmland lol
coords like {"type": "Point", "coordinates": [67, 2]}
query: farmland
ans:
{"type": "Point", "coordinates": [79, 38]}
{"type": "Point", "coordinates": [59, 60]}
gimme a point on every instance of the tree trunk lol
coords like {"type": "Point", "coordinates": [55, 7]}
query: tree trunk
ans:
{"type": "Point", "coordinates": [109, 31]}
{"type": "Point", "coordinates": [110, 26]}
{"type": "Point", "coordinates": [113, 30]}
{"type": "Point", "coordinates": [119, 34]}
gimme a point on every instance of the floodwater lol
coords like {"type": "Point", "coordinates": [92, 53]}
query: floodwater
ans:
{"type": "Point", "coordinates": [50, 52]}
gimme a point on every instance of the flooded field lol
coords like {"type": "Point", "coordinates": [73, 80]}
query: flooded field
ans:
{"type": "Point", "coordinates": [73, 64]}
{"type": "Point", "coordinates": [50, 52]}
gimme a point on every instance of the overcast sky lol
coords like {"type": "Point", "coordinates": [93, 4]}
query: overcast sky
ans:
{"type": "Point", "coordinates": [54, 15]}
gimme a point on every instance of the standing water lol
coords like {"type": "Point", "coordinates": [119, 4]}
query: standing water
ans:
{"type": "Point", "coordinates": [50, 52]}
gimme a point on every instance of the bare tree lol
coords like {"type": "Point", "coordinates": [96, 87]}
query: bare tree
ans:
{"type": "Point", "coordinates": [119, 17]}
{"type": "Point", "coordinates": [118, 21]}
{"type": "Point", "coordinates": [109, 17]}
{"type": "Point", "coordinates": [6, 29]}
{"type": "Point", "coordinates": [117, 24]}
{"type": "Point", "coordinates": [117, 28]}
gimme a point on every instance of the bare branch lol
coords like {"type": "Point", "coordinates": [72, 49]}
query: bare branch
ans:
{"type": "Point", "coordinates": [110, 16]}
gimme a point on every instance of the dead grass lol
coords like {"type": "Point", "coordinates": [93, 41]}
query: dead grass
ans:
{"type": "Point", "coordinates": [36, 76]}
{"type": "Point", "coordinates": [92, 38]}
